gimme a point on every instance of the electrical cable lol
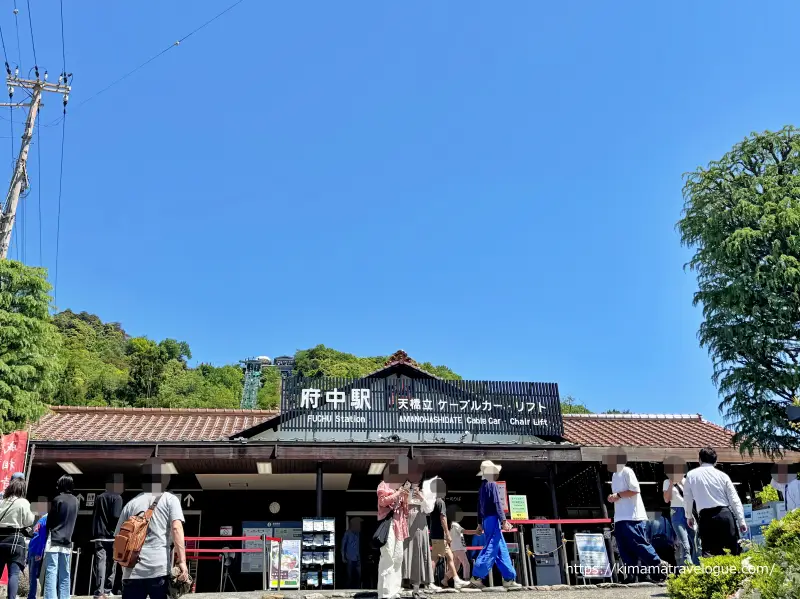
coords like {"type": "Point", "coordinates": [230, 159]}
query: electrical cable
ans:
{"type": "Point", "coordinates": [30, 24]}
{"type": "Point", "coordinates": [16, 23]}
{"type": "Point", "coordinates": [58, 217]}
{"type": "Point", "coordinates": [5, 54]}
{"type": "Point", "coordinates": [39, 186]}
{"type": "Point", "coordinates": [63, 50]}
{"type": "Point", "coordinates": [164, 51]}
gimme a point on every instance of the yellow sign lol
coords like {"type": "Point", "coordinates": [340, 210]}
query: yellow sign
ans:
{"type": "Point", "coordinates": [518, 505]}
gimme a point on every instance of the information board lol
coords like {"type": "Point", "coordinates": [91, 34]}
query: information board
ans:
{"type": "Point", "coordinates": [502, 491]}
{"type": "Point", "coordinates": [592, 555]}
{"type": "Point", "coordinates": [289, 572]}
{"type": "Point", "coordinates": [253, 562]}
{"type": "Point", "coordinates": [518, 506]}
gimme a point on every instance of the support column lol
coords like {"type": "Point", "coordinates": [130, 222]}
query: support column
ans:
{"type": "Point", "coordinates": [319, 489]}
{"type": "Point", "coordinates": [604, 510]}
{"type": "Point", "coordinates": [559, 534]}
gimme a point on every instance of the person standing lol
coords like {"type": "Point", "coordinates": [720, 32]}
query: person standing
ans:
{"type": "Point", "coordinates": [107, 508]}
{"type": "Point", "coordinates": [459, 546]}
{"type": "Point", "coordinates": [351, 553]}
{"type": "Point", "coordinates": [15, 515]}
{"type": "Point", "coordinates": [787, 484]}
{"type": "Point", "coordinates": [492, 521]}
{"type": "Point", "coordinates": [441, 541]}
{"type": "Point", "coordinates": [58, 551]}
{"type": "Point", "coordinates": [718, 505]}
{"type": "Point", "coordinates": [417, 564]}
{"type": "Point", "coordinates": [150, 575]}
{"type": "Point", "coordinates": [36, 554]}
{"type": "Point", "coordinates": [686, 549]}
{"type": "Point", "coordinates": [630, 518]}
{"type": "Point", "coordinates": [392, 503]}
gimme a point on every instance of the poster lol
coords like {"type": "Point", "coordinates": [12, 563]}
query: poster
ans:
{"type": "Point", "coordinates": [289, 565]}
{"type": "Point", "coordinates": [13, 449]}
{"type": "Point", "coordinates": [518, 505]}
{"type": "Point", "coordinates": [592, 555]}
{"type": "Point", "coordinates": [252, 562]}
{"type": "Point", "coordinates": [502, 490]}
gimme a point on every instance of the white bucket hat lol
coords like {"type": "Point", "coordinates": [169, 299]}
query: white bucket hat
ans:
{"type": "Point", "coordinates": [490, 467]}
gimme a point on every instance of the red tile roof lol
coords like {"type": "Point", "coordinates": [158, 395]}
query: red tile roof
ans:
{"type": "Point", "coordinates": [74, 423]}
{"type": "Point", "coordinates": [644, 430]}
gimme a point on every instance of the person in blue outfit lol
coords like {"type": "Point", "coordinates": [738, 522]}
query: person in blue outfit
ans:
{"type": "Point", "coordinates": [36, 553]}
{"type": "Point", "coordinates": [492, 522]}
{"type": "Point", "coordinates": [686, 548]}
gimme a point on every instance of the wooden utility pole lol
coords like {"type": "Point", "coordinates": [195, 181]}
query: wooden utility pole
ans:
{"type": "Point", "coordinates": [19, 181]}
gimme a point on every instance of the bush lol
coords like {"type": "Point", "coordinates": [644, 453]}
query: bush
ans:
{"type": "Point", "coordinates": [767, 494]}
{"type": "Point", "coordinates": [716, 578]}
{"type": "Point", "coordinates": [783, 532]}
{"type": "Point", "coordinates": [778, 576]}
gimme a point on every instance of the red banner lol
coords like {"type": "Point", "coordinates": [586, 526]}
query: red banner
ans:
{"type": "Point", "coordinates": [12, 459]}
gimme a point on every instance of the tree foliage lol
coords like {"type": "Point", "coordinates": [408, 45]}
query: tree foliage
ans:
{"type": "Point", "coordinates": [29, 344]}
{"type": "Point", "coordinates": [742, 219]}
{"type": "Point", "coordinates": [570, 405]}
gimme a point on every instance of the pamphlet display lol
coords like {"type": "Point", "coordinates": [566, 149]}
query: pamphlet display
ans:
{"type": "Point", "coordinates": [318, 560]}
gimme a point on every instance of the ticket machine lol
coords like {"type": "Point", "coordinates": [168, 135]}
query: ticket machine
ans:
{"type": "Point", "coordinates": [546, 560]}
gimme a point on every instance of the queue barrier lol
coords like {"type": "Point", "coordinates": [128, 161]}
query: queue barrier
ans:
{"type": "Point", "coordinates": [266, 565]}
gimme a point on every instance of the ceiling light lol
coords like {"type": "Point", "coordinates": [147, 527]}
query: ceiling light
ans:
{"type": "Point", "coordinates": [376, 468]}
{"type": "Point", "coordinates": [264, 467]}
{"type": "Point", "coordinates": [237, 485]}
{"type": "Point", "coordinates": [70, 468]}
{"type": "Point", "coordinates": [169, 468]}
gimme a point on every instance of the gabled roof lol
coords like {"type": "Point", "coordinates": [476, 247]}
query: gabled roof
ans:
{"type": "Point", "coordinates": [80, 423]}
{"type": "Point", "coordinates": [686, 431]}
{"type": "Point", "coordinates": [401, 362]}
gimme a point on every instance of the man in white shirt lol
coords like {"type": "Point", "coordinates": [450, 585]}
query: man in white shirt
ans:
{"type": "Point", "coordinates": [718, 505]}
{"type": "Point", "coordinates": [629, 520]}
{"type": "Point", "coordinates": [787, 484]}
{"type": "Point", "coordinates": [686, 548]}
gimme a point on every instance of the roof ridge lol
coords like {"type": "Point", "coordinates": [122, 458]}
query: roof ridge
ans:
{"type": "Point", "coordinates": [636, 416]}
{"type": "Point", "coordinates": [160, 411]}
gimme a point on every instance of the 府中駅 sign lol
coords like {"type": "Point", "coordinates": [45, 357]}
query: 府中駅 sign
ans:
{"type": "Point", "coordinates": [421, 405]}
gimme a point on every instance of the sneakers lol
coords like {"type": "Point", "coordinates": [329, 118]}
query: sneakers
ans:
{"type": "Point", "coordinates": [511, 584]}
{"type": "Point", "coordinates": [459, 583]}
{"type": "Point", "coordinates": [476, 583]}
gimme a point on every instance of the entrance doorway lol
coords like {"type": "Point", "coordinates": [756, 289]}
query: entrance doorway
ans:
{"type": "Point", "coordinates": [369, 556]}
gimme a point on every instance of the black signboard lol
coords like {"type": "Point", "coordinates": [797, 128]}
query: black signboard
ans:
{"type": "Point", "coordinates": [421, 405]}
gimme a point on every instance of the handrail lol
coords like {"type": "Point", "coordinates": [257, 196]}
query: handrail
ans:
{"type": "Point", "coordinates": [564, 521]}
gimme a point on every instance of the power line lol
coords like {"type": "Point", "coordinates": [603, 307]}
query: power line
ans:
{"type": "Point", "coordinates": [39, 188]}
{"type": "Point", "coordinates": [16, 24]}
{"type": "Point", "coordinates": [164, 51]}
{"type": "Point", "coordinates": [33, 43]}
{"type": "Point", "coordinates": [58, 218]}
{"type": "Point", "coordinates": [63, 51]}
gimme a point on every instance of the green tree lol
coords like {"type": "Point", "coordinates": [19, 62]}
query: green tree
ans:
{"type": "Point", "coordinates": [29, 344]}
{"type": "Point", "coordinates": [570, 405]}
{"type": "Point", "coordinates": [742, 219]}
{"type": "Point", "coordinates": [613, 411]}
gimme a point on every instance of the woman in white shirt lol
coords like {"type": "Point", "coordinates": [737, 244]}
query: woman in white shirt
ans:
{"type": "Point", "coordinates": [15, 516]}
{"type": "Point", "coordinates": [687, 543]}
{"type": "Point", "coordinates": [458, 547]}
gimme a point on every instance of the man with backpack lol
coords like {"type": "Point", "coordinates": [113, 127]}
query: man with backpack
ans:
{"type": "Point", "coordinates": [148, 528]}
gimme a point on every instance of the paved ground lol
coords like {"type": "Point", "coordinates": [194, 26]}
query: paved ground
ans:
{"type": "Point", "coordinates": [627, 592]}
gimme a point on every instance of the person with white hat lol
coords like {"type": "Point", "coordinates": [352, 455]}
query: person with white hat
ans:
{"type": "Point", "coordinates": [492, 521]}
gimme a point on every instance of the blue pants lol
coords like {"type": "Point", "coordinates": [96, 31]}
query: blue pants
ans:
{"type": "Point", "coordinates": [34, 569]}
{"type": "Point", "coordinates": [13, 578]}
{"type": "Point", "coordinates": [494, 551]}
{"type": "Point", "coordinates": [687, 544]}
{"type": "Point", "coordinates": [633, 545]}
{"type": "Point", "coordinates": [56, 575]}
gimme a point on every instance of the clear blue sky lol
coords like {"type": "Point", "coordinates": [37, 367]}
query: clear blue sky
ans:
{"type": "Point", "coordinates": [493, 186]}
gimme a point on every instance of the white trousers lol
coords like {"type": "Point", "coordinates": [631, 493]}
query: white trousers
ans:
{"type": "Point", "coordinates": [390, 567]}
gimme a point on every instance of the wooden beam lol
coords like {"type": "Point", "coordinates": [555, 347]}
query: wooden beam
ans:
{"type": "Point", "coordinates": [659, 454]}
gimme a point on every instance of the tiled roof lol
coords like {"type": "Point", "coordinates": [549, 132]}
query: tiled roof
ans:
{"type": "Point", "coordinates": [73, 423]}
{"type": "Point", "coordinates": [644, 430]}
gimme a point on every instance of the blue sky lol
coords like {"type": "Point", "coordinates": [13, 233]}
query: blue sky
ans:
{"type": "Point", "coordinates": [489, 186]}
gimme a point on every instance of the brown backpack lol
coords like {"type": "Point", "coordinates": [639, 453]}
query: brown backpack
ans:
{"type": "Point", "coordinates": [130, 539]}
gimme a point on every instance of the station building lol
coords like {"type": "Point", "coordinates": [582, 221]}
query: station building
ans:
{"type": "Point", "coordinates": [322, 453]}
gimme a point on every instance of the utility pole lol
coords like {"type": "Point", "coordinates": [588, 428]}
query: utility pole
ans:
{"type": "Point", "coordinates": [19, 181]}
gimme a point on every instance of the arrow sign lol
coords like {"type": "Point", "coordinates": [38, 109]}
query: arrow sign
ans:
{"type": "Point", "coordinates": [188, 500]}
{"type": "Point", "coordinates": [81, 498]}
